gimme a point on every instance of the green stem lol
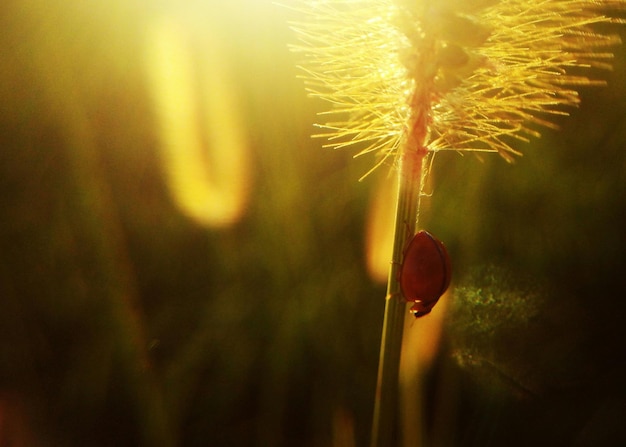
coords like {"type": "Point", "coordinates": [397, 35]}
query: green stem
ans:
{"type": "Point", "coordinates": [111, 278]}
{"type": "Point", "coordinates": [410, 179]}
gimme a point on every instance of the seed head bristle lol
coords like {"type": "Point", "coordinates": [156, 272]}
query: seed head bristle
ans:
{"type": "Point", "coordinates": [496, 70]}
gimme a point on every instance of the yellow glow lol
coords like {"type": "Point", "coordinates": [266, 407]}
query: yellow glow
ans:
{"type": "Point", "coordinates": [490, 78]}
{"type": "Point", "coordinates": [202, 139]}
{"type": "Point", "coordinates": [380, 228]}
{"type": "Point", "coordinates": [419, 346]}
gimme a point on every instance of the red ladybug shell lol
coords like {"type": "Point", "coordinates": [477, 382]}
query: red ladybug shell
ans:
{"type": "Point", "coordinates": [425, 272]}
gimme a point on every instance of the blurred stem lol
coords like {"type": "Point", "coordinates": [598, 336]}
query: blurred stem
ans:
{"type": "Point", "coordinates": [114, 292]}
{"type": "Point", "coordinates": [410, 183]}
{"type": "Point", "coordinates": [111, 277]}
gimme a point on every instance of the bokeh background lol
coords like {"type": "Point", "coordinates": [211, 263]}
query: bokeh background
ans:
{"type": "Point", "coordinates": [182, 265]}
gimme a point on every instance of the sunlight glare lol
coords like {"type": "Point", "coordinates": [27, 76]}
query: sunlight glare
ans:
{"type": "Point", "coordinates": [203, 143]}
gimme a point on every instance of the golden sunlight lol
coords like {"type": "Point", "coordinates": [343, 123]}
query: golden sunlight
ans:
{"type": "Point", "coordinates": [203, 144]}
{"type": "Point", "coordinates": [380, 229]}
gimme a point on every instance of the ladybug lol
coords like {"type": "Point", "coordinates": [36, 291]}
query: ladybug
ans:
{"type": "Point", "coordinates": [425, 272]}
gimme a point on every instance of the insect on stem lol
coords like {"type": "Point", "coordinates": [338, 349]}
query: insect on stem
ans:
{"type": "Point", "coordinates": [407, 78]}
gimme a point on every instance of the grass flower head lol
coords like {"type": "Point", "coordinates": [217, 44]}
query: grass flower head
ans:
{"type": "Point", "coordinates": [484, 72]}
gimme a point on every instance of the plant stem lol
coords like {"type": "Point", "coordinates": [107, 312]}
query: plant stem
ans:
{"type": "Point", "coordinates": [386, 403]}
{"type": "Point", "coordinates": [411, 175]}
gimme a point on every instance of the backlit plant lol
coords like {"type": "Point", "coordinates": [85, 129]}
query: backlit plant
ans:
{"type": "Point", "coordinates": [406, 79]}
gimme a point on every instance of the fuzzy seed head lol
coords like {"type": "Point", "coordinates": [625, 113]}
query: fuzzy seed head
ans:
{"type": "Point", "coordinates": [485, 72]}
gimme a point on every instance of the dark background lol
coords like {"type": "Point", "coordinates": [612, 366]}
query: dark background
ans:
{"type": "Point", "coordinates": [123, 321]}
